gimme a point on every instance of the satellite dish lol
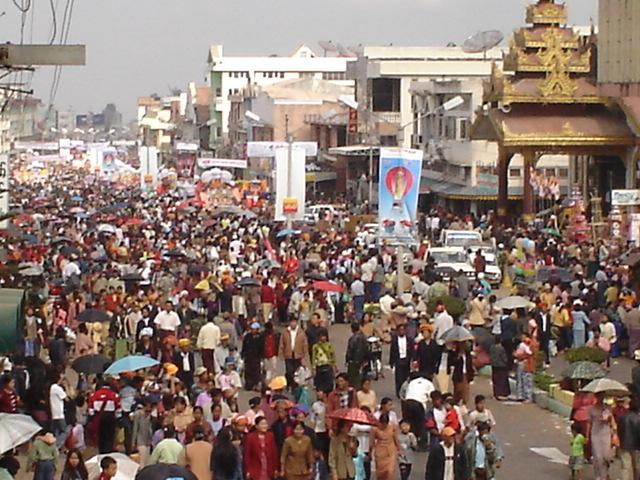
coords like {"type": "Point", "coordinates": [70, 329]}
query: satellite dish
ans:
{"type": "Point", "coordinates": [482, 41]}
{"type": "Point", "coordinates": [343, 51]}
{"type": "Point", "coordinates": [327, 46]}
{"type": "Point", "coordinates": [358, 50]}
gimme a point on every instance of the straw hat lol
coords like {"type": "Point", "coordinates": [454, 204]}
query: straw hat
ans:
{"type": "Point", "coordinates": [170, 369]}
{"type": "Point", "coordinates": [278, 383]}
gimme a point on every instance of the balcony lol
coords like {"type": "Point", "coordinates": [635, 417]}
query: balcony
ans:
{"type": "Point", "coordinates": [387, 117]}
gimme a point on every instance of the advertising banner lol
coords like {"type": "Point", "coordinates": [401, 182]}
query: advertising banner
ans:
{"type": "Point", "coordinates": [268, 149]}
{"type": "Point", "coordinates": [148, 168]}
{"type": "Point", "coordinates": [625, 198]}
{"type": "Point", "coordinates": [205, 163]}
{"type": "Point", "coordinates": [290, 185]}
{"type": "Point", "coordinates": [399, 186]}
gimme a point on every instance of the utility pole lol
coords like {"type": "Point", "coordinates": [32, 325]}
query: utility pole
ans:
{"type": "Point", "coordinates": [24, 57]}
{"type": "Point", "coordinates": [289, 140]}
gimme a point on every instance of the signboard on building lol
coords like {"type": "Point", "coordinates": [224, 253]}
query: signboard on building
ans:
{"type": "Point", "coordinates": [399, 185]}
{"type": "Point", "coordinates": [268, 149]}
{"type": "Point", "coordinates": [148, 167]}
{"type": "Point", "coordinates": [625, 198]}
{"type": "Point", "coordinates": [353, 121]}
{"type": "Point", "coordinates": [187, 147]}
{"type": "Point", "coordinates": [205, 163]}
{"type": "Point", "coordinates": [290, 185]}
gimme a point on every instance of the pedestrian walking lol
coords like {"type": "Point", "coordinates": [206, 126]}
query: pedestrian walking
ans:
{"type": "Point", "coordinates": [447, 460]}
{"type": "Point", "coordinates": [293, 349]}
{"type": "Point", "coordinates": [323, 361]}
{"type": "Point", "coordinates": [600, 432]}
{"type": "Point", "coordinates": [400, 356]}
{"type": "Point", "coordinates": [296, 459]}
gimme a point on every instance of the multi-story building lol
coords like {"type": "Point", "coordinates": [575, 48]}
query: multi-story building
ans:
{"type": "Point", "coordinates": [384, 76]}
{"type": "Point", "coordinates": [229, 76]}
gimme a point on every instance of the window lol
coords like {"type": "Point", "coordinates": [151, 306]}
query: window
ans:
{"type": "Point", "coordinates": [218, 91]}
{"type": "Point", "coordinates": [464, 129]}
{"type": "Point", "coordinates": [563, 172]}
{"type": "Point", "coordinates": [550, 172]}
{"type": "Point", "coordinates": [515, 172]}
{"type": "Point", "coordinates": [334, 76]}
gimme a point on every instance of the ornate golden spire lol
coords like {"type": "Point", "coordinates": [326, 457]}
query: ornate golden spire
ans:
{"type": "Point", "coordinates": [547, 12]}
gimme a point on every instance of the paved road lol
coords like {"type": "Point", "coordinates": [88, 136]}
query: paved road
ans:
{"type": "Point", "coordinates": [520, 428]}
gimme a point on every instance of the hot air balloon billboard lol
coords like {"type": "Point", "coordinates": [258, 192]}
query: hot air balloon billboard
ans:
{"type": "Point", "coordinates": [399, 186]}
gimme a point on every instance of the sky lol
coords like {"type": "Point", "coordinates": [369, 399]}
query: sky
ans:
{"type": "Point", "coordinates": [139, 47]}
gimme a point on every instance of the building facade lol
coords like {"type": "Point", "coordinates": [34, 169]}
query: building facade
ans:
{"type": "Point", "coordinates": [231, 75]}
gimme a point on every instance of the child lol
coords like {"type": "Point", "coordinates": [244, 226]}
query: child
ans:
{"type": "Point", "coordinates": [576, 460]}
{"type": "Point", "coordinates": [254, 411]}
{"type": "Point", "coordinates": [452, 417]}
{"type": "Point", "coordinates": [480, 414]}
{"type": "Point", "coordinates": [75, 437]}
{"type": "Point", "coordinates": [408, 443]}
{"type": "Point", "coordinates": [229, 381]}
{"type": "Point", "coordinates": [358, 459]}
{"type": "Point", "coordinates": [109, 468]}
{"type": "Point", "coordinates": [320, 468]}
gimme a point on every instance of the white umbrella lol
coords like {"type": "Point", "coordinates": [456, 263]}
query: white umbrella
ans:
{"type": "Point", "coordinates": [105, 227]}
{"type": "Point", "coordinates": [16, 429]}
{"type": "Point", "coordinates": [127, 468]}
{"type": "Point", "coordinates": [510, 303]}
{"type": "Point", "coordinates": [608, 386]}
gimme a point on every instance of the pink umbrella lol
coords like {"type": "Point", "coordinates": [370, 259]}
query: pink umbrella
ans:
{"type": "Point", "coordinates": [327, 286]}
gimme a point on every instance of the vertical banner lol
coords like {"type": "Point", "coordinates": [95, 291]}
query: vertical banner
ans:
{"type": "Point", "coordinates": [290, 184]}
{"type": "Point", "coordinates": [399, 186]}
{"type": "Point", "coordinates": [148, 168]}
{"type": "Point", "coordinates": [4, 188]}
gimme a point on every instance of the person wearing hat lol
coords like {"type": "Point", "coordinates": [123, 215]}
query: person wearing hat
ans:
{"type": "Point", "coordinates": [252, 354]}
{"type": "Point", "coordinates": [447, 460]}
{"type": "Point", "coordinates": [428, 353]}
{"type": "Point", "coordinates": [185, 361]}
{"type": "Point", "coordinates": [221, 352]}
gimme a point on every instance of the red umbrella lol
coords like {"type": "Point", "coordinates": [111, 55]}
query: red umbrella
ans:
{"type": "Point", "coordinates": [134, 222]}
{"type": "Point", "coordinates": [327, 286]}
{"type": "Point", "coordinates": [354, 415]}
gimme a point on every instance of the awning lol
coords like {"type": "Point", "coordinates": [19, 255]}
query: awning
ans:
{"type": "Point", "coordinates": [464, 192]}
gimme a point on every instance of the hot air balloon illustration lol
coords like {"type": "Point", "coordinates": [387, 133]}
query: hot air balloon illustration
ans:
{"type": "Point", "coordinates": [399, 181]}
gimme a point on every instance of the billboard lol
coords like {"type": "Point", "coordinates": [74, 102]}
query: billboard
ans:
{"type": "Point", "coordinates": [290, 184]}
{"type": "Point", "coordinates": [205, 163]}
{"type": "Point", "coordinates": [625, 198]}
{"type": "Point", "coordinates": [399, 186]}
{"type": "Point", "coordinates": [148, 167]}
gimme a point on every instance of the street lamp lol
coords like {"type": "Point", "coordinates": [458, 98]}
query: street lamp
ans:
{"type": "Point", "coordinates": [450, 104]}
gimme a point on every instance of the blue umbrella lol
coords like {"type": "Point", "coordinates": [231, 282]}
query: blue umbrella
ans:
{"type": "Point", "coordinates": [131, 364]}
{"type": "Point", "coordinates": [286, 232]}
{"type": "Point", "coordinates": [77, 198]}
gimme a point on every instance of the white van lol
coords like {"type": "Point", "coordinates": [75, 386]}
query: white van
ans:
{"type": "Point", "coordinates": [460, 238]}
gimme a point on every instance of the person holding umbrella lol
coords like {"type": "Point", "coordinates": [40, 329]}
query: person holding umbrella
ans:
{"type": "Point", "coordinates": [600, 432]}
{"type": "Point", "coordinates": [340, 459]}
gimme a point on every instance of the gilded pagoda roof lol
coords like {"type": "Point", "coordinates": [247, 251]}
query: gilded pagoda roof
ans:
{"type": "Point", "coordinates": [555, 126]}
{"type": "Point", "coordinates": [533, 37]}
{"type": "Point", "coordinates": [547, 12]}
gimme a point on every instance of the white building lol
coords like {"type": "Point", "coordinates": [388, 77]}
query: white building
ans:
{"type": "Point", "coordinates": [231, 75]}
{"type": "Point", "coordinates": [384, 76]}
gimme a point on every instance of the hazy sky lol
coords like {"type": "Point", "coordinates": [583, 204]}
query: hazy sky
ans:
{"type": "Point", "coordinates": [138, 47]}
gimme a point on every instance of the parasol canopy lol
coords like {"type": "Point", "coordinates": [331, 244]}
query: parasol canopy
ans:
{"type": "Point", "coordinates": [353, 415]}
{"type": "Point", "coordinates": [606, 385]}
{"type": "Point", "coordinates": [457, 334]}
{"type": "Point", "coordinates": [584, 371]}
{"type": "Point", "coordinates": [131, 364]}
{"type": "Point", "coordinates": [127, 468]}
{"type": "Point", "coordinates": [16, 429]}
{"type": "Point", "coordinates": [513, 302]}
{"type": "Point", "coordinates": [327, 286]}
{"type": "Point", "coordinates": [90, 364]}
{"type": "Point", "coordinates": [93, 315]}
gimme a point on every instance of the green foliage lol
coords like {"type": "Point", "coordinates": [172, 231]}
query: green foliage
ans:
{"type": "Point", "coordinates": [454, 306]}
{"type": "Point", "coordinates": [585, 354]}
{"type": "Point", "coordinates": [543, 381]}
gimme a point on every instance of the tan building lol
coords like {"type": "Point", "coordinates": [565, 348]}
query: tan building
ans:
{"type": "Point", "coordinates": [619, 47]}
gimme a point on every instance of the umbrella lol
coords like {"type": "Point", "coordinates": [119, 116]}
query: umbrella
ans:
{"type": "Point", "coordinates": [511, 303]}
{"type": "Point", "coordinates": [132, 277]}
{"type": "Point", "coordinates": [16, 429]}
{"type": "Point", "coordinates": [174, 253]}
{"type": "Point", "coordinates": [165, 471]}
{"type": "Point", "coordinates": [326, 286]}
{"type": "Point", "coordinates": [134, 222]}
{"type": "Point", "coordinates": [93, 315]}
{"type": "Point", "coordinates": [90, 364]}
{"type": "Point", "coordinates": [77, 210]}
{"type": "Point", "coordinates": [233, 210]}
{"type": "Point", "coordinates": [106, 228]}
{"type": "Point", "coordinates": [606, 385]}
{"type": "Point", "coordinates": [34, 271]}
{"type": "Point", "coordinates": [316, 276]}
{"type": "Point", "coordinates": [127, 468]}
{"type": "Point", "coordinates": [248, 282]}
{"type": "Point", "coordinates": [353, 415]}
{"type": "Point", "coordinates": [76, 198]}
{"type": "Point", "coordinates": [194, 269]}
{"type": "Point", "coordinates": [287, 231]}
{"type": "Point", "coordinates": [548, 274]}
{"type": "Point", "coordinates": [584, 371]}
{"type": "Point", "coordinates": [268, 264]}
{"type": "Point", "coordinates": [457, 334]}
{"type": "Point", "coordinates": [551, 231]}
{"type": "Point", "coordinates": [69, 250]}
{"type": "Point", "coordinates": [61, 240]}
{"type": "Point", "coordinates": [131, 364]}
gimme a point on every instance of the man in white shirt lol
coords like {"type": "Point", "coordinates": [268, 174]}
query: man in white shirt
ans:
{"type": "Point", "coordinates": [442, 322]}
{"type": "Point", "coordinates": [208, 340]}
{"type": "Point", "coordinates": [415, 404]}
{"type": "Point", "coordinates": [57, 396]}
{"type": "Point", "coordinates": [167, 321]}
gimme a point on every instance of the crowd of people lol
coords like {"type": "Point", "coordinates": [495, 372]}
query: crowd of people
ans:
{"type": "Point", "coordinates": [239, 317]}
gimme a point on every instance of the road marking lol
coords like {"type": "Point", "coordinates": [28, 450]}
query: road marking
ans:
{"type": "Point", "coordinates": [552, 454]}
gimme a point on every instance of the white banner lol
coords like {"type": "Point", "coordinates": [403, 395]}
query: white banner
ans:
{"type": "Point", "coordinates": [268, 149]}
{"type": "Point", "coordinates": [205, 163]}
{"type": "Point", "coordinates": [148, 168]}
{"type": "Point", "coordinates": [625, 198]}
{"type": "Point", "coordinates": [290, 184]}
{"type": "Point", "coordinates": [187, 147]}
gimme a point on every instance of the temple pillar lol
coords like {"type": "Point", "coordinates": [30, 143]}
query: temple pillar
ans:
{"type": "Point", "coordinates": [528, 199]}
{"type": "Point", "coordinates": [503, 186]}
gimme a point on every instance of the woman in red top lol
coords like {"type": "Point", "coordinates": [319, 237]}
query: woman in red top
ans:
{"type": "Point", "coordinates": [8, 397]}
{"type": "Point", "coordinates": [260, 455]}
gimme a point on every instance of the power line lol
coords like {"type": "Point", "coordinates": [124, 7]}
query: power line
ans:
{"type": "Point", "coordinates": [55, 22]}
{"type": "Point", "coordinates": [24, 7]}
